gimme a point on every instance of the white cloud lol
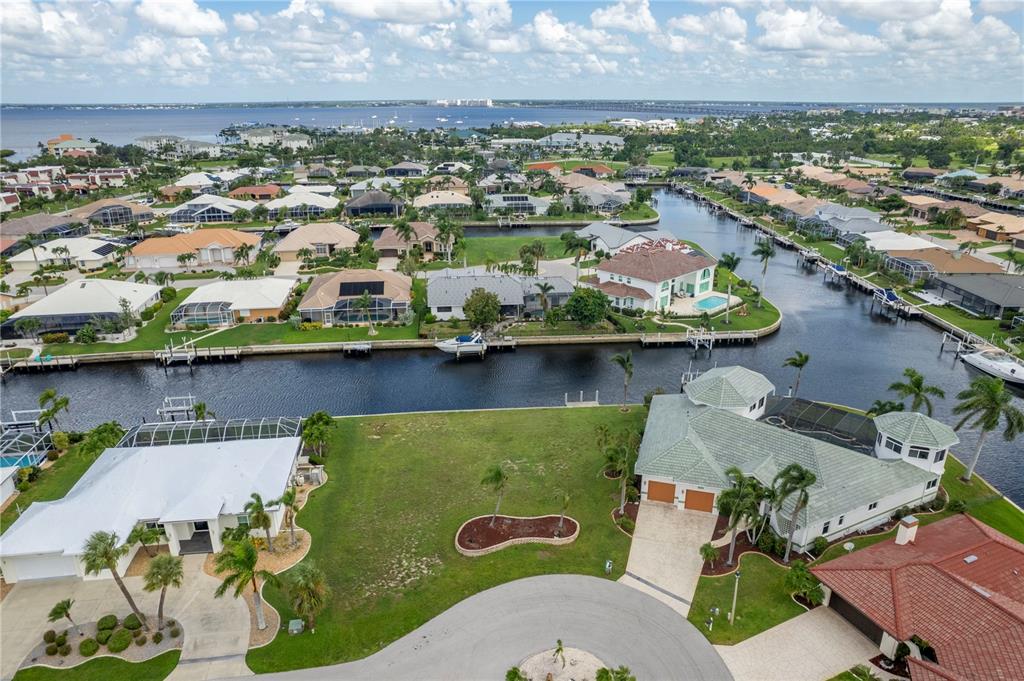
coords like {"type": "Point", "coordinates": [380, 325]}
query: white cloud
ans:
{"type": "Point", "coordinates": [392, 60]}
{"type": "Point", "coordinates": [797, 30]}
{"type": "Point", "coordinates": [626, 15]}
{"type": "Point", "coordinates": [246, 21]}
{"type": "Point", "coordinates": [551, 35]}
{"type": "Point", "coordinates": [723, 23]}
{"type": "Point", "coordinates": [398, 11]}
{"type": "Point", "coordinates": [952, 31]}
{"type": "Point", "coordinates": [881, 10]}
{"type": "Point", "coordinates": [1000, 6]}
{"type": "Point", "coordinates": [181, 17]}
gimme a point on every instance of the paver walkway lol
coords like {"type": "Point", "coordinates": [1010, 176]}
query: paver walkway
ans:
{"type": "Point", "coordinates": [486, 634]}
{"type": "Point", "coordinates": [664, 558]}
{"type": "Point", "coordinates": [216, 630]}
{"type": "Point", "coordinates": [810, 647]}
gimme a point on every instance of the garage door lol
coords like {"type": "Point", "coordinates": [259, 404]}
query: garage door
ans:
{"type": "Point", "coordinates": [855, 617]}
{"type": "Point", "coordinates": [661, 491]}
{"type": "Point", "coordinates": [696, 500]}
{"type": "Point", "coordinates": [41, 567]}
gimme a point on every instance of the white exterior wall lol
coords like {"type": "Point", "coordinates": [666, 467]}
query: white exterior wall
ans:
{"type": "Point", "coordinates": [649, 287]}
{"type": "Point", "coordinates": [656, 478]}
{"type": "Point", "coordinates": [929, 464]}
{"type": "Point", "coordinates": [455, 313]}
{"type": "Point", "coordinates": [599, 244]}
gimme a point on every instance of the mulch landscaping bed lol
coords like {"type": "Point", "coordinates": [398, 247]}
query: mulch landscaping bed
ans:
{"type": "Point", "coordinates": [478, 533]}
{"type": "Point", "coordinates": [743, 545]}
{"type": "Point", "coordinates": [721, 527]}
{"type": "Point", "coordinates": [804, 602]}
{"type": "Point", "coordinates": [133, 653]}
{"type": "Point", "coordinates": [898, 668]}
{"type": "Point", "coordinates": [632, 509]}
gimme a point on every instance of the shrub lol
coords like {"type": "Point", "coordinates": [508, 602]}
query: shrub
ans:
{"type": "Point", "coordinates": [632, 494]}
{"type": "Point", "coordinates": [107, 622]}
{"type": "Point", "coordinates": [901, 512]}
{"type": "Point", "coordinates": [59, 337]}
{"type": "Point", "coordinates": [626, 523]}
{"type": "Point", "coordinates": [50, 636]}
{"type": "Point", "coordinates": [170, 623]}
{"type": "Point", "coordinates": [103, 635]}
{"type": "Point", "coordinates": [121, 639]}
{"type": "Point", "coordinates": [780, 546]}
{"type": "Point", "coordinates": [766, 542]}
{"type": "Point", "coordinates": [310, 326]}
{"type": "Point", "coordinates": [820, 544]}
{"type": "Point", "coordinates": [175, 632]}
{"type": "Point", "coordinates": [958, 506]}
{"type": "Point", "coordinates": [650, 396]}
{"type": "Point", "coordinates": [132, 622]}
{"type": "Point", "coordinates": [86, 334]}
{"type": "Point", "coordinates": [61, 639]}
{"type": "Point", "coordinates": [316, 460]}
{"type": "Point", "coordinates": [64, 650]}
{"type": "Point", "coordinates": [136, 632]}
{"type": "Point", "coordinates": [51, 649]}
{"type": "Point", "coordinates": [167, 294]}
{"type": "Point", "coordinates": [141, 640]}
{"type": "Point", "coordinates": [88, 647]}
{"type": "Point", "coordinates": [52, 455]}
{"type": "Point", "coordinates": [157, 637]}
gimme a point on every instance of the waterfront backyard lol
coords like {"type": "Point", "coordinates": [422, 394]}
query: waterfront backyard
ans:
{"type": "Point", "coordinates": [383, 528]}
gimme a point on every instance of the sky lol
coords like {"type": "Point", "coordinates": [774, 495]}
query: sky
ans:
{"type": "Point", "coordinates": [169, 51]}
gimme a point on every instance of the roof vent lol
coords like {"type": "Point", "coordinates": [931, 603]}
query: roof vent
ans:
{"type": "Point", "coordinates": [982, 591]}
{"type": "Point", "coordinates": [970, 559]}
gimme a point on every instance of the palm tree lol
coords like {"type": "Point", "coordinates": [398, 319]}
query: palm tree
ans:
{"type": "Point", "coordinates": [563, 498]}
{"type": "Point", "coordinates": [64, 252]}
{"type": "Point", "coordinates": [242, 253]}
{"type": "Point", "coordinates": [162, 278]}
{"type": "Point", "coordinates": [988, 403]}
{"type": "Point", "coordinates": [305, 255]}
{"type": "Point", "coordinates": [184, 259]}
{"type": "Point", "coordinates": [141, 534]}
{"type": "Point", "coordinates": [201, 411]}
{"type": "Point", "coordinates": [29, 241]}
{"type": "Point", "coordinates": [496, 478]}
{"type": "Point", "coordinates": [739, 503]}
{"type": "Point", "coordinates": [709, 553]}
{"type": "Point", "coordinates": [103, 551]}
{"type": "Point", "coordinates": [164, 571]}
{"type": "Point", "coordinates": [798, 361]}
{"type": "Point", "coordinates": [749, 182]}
{"type": "Point", "coordinates": [259, 517]}
{"type": "Point", "coordinates": [62, 610]}
{"type": "Point", "coordinates": [404, 230]}
{"type": "Point", "coordinates": [765, 251]}
{"type": "Point", "coordinates": [238, 560]}
{"type": "Point", "coordinates": [543, 289]}
{"type": "Point", "coordinates": [916, 389]}
{"type": "Point", "coordinates": [879, 407]}
{"type": "Point", "coordinates": [578, 246]}
{"type": "Point", "coordinates": [289, 500]}
{"type": "Point", "coordinates": [794, 479]}
{"type": "Point", "coordinates": [730, 261]}
{"type": "Point", "coordinates": [363, 303]}
{"type": "Point", "coordinates": [308, 592]}
{"type": "Point", "coordinates": [27, 326]}
{"type": "Point", "coordinates": [626, 362]}
{"type": "Point", "coordinates": [619, 461]}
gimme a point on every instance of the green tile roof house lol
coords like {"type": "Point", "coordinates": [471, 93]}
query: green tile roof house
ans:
{"type": "Point", "coordinates": [691, 439]}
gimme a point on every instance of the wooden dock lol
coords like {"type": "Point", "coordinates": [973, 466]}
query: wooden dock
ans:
{"type": "Point", "coordinates": [188, 354]}
{"type": "Point", "coordinates": [40, 363]}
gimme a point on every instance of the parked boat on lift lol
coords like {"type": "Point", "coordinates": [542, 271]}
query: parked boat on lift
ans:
{"type": "Point", "coordinates": [999, 364]}
{"type": "Point", "coordinates": [463, 344]}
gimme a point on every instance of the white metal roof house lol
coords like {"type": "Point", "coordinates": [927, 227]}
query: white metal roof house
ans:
{"type": "Point", "coordinates": [223, 303]}
{"type": "Point", "coordinates": [210, 208]}
{"type": "Point", "coordinates": [301, 205]}
{"type": "Point", "coordinates": [612, 239]}
{"type": "Point", "coordinates": [447, 292]}
{"type": "Point", "coordinates": [82, 252]}
{"type": "Point", "coordinates": [191, 491]}
{"type": "Point", "coordinates": [443, 199]}
{"type": "Point", "coordinates": [360, 188]}
{"type": "Point", "coordinates": [691, 439]}
{"type": "Point", "coordinates": [71, 307]}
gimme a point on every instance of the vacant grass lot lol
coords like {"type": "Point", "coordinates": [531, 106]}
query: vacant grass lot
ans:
{"type": "Point", "coordinates": [284, 334]}
{"type": "Point", "coordinates": [384, 526]}
{"type": "Point", "coordinates": [106, 669]}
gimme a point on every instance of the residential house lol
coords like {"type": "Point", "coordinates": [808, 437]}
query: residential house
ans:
{"type": "Point", "coordinates": [363, 171]}
{"type": "Point", "coordinates": [549, 167]}
{"type": "Point", "coordinates": [595, 170]}
{"type": "Point", "coordinates": [78, 303]}
{"type": "Point", "coordinates": [770, 194]}
{"type": "Point", "coordinates": [112, 213]}
{"type": "Point", "coordinates": [235, 301]}
{"type": "Point", "coordinates": [390, 245]}
{"type": "Point", "coordinates": [85, 253]}
{"type": "Point", "coordinates": [316, 171]}
{"type": "Point", "coordinates": [723, 179]}
{"type": "Point", "coordinates": [212, 247]}
{"type": "Point", "coordinates": [324, 239]}
{"type": "Point", "coordinates": [191, 492]}
{"type": "Point", "coordinates": [301, 206]}
{"type": "Point", "coordinates": [795, 211]}
{"type": "Point", "coordinates": [516, 204]}
{"type": "Point", "coordinates": [921, 206]}
{"type": "Point", "coordinates": [887, 241]}
{"type": "Point", "coordinates": [576, 140]}
{"type": "Point", "coordinates": [923, 263]}
{"type": "Point", "coordinates": [648, 276]}
{"type": "Point", "coordinates": [957, 177]}
{"type": "Point", "coordinates": [641, 173]}
{"type": "Point", "coordinates": [496, 183]}
{"type": "Point", "coordinates": [260, 193]}
{"type": "Point", "coordinates": [954, 585]}
{"type": "Point", "coordinates": [374, 183]}
{"type": "Point", "coordinates": [375, 202]}
{"type": "Point", "coordinates": [833, 220]}
{"type": "Point", "coordinates": [695, 172]}
{"type": "Point", "coordinates": [604, 197]}
{"type": "Point", "coordinates": [332, 298]}
{"type": "Point", "coordinates": [447, 183]}
{"type": "Point", "coordinates": [519, 296]}
{"type": "Point", "coordinates": [922, 174]}
{"type": "Point", "coordinates": [692, 439]}
{"type": "Point", "coordinates": [611, 239]}
{"type": "Point", "coordinates": [296, 141]}
{"type": "Point", "coordinates": [1004, 186]}
{"type": "Point", "coordinates": [44, 226]}
{"type": "Point", "coordinates": [207, 208]}
{"type": "Point", "coordinates": [997, 226]}
{"type": "Point", "coordinates": [452, 167]}
{"type": "Point", "coordinates": [406, 169]}
{"type": "Point", "coordinates": [450, 201]}
{"type": "Point", "coordinates": [75, 146]}
{"type": "Point", "coordinates": [988, 295]}
{"type": "Point", "coordinates": [321, 189]}
{"type": "Point", "coordinates": [200, 182]}
{"type": "Point", "coordinates": [9, 202]}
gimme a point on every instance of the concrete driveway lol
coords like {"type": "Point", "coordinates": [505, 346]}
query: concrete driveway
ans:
{"type": "Point", "coordinates": [810, 647]}
{"type": "Point", "coordinates": [216, 630]}
{"type": "Point", "coordinates": [664, 559]}
{"type": "Point", "coordinates": [486, 634]}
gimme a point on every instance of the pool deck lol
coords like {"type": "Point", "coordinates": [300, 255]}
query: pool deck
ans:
{"type": "Point", "coordinates": [687, 307]}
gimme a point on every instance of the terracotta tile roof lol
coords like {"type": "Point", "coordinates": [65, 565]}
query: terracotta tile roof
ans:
{"type": "Point", "coordinates": [617, 290]}
{"type": "Point", "coordinates": [656, 262]}
{"type": "Point", "coordinates": [972, 613]}
{"type": "Point", "coordinates": [389, 238]}
{"type": "Point", "coordinates": [270, 190]}
{"type": "Point", "coordinates": [325, 290]}
{"type": "Point", "coordinates": [544, 165]}
{"type": "Point", "coordinates": [193, 241]}
{"type": "Point", "coordinates": [598, 168]}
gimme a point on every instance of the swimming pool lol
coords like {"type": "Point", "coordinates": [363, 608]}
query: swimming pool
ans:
{"type": "Point", "coordinates": [710, 303]}
{"type": "Point", "coordinates": [31, 459]}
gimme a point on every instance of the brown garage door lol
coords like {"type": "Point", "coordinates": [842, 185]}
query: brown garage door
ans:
{"type": "Point", "coordinates": [699, 501]}
{"type": "Point", "coordinates": [855, 617]}
{"type": "Point", "coordinates": [661, 491]}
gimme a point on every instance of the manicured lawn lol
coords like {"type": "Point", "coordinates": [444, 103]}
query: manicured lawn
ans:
{"type": "Point", "coordinates": [284, 333]}
{"type": "Point", "coordinates": [641, 212]}
{"type": "Point", "coordinates": [763, 601]}
{"type": "Point", "coordinates": [564, 328]}
{"type": "Point", "coordinates": [500, 249]}
{"type": "Point", "coordinates": [986, 328]}
{"type": "Point", "coordinates": [666, 159]}
{"type": "Point", "coordinates": [383, 528]}
{"type": "Point", "coordinates": [942, 235]}
{"type": "Point", "coordinates": [15, 353]}
{"type": "Point", "coordinates": [152, 336]}
{"type": "Point", "coordinates": [1010, 255]}
{"type": "Point", "coordinates": [107, 669]}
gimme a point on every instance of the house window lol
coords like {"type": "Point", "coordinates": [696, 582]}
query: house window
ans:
{"type": "Point", "coordinates": [893, 444]}
{"type": "Point", "coordinates": [242, 519]}
{"type": "Point", "coordinates": [321, 249]}
{"type": "Point", "coordinates": [940, 455]}
{"type": "Point", "coordinates": [841, 518]}
{"type": "Point", "coordinates": [760, 403]}
{"type": "Point", "coordinates": [752, 407]}
{"type": "Point", "coordinates": [873, 505]}
{"type": "Point", "coordinates": [664, 285]}
{"type": "Point", "coordinates": [444, 308]}
{"type": "Point", "coordinates": [824, 528]}
{"type": "Point", "coordinates": [153, 525]}
{"type": "Point", "coordinates": [919, 453]}
{"type": "Point", "coordinates": [932, 484]}
{"type": "Point", "coordinates": [878, 440]}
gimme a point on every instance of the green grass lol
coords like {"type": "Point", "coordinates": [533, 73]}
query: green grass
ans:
{"type": "Point", "coordinates": [847, 676]}
{"type": "Point", "coordinates": [942, 235]}
{"type": "Point", "coordinates": [563, 328]}
{"type": "Point", "coordinates": [499, 249]}
{"type": "Point", "coordinates": [572, 164]}
{"type": "Point", "coordinates": [641, 212]}
{"type": "Point", "coordinates": [107, 668]}
{"type": "Point", "coordinates": [15, 353]}
{"type": "Point", "coordinates": [384, 526]}
{"type": "Point", "coordinates": [762, 603]}
{"type": "Point", "coordinates": [665, 159]}
{"type": "Point", "coordinates": [152, 336]}
{"type": "Point", "coordinates": [986, 328]}
{"type": "Point", "coordinates": [284, 334]}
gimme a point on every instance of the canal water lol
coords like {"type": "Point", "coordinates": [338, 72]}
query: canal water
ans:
{"type": "Point", "coordinates": [855, 355]}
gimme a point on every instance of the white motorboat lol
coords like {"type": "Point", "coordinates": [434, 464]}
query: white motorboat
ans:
{"type": "Point", "coordinates": [474, 343]}
{"type": "Point", "coordinates": [998, 363]}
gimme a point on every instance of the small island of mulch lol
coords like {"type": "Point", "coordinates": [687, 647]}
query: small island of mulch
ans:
{"type": "Point", "coordinates": [478, 534]}
{"type": "Point", "coordinates": [632, 510]}
{"type": "Point", "coordinates": [133, 653]}
{"type": "Point", "coordinates": [743, 545]}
